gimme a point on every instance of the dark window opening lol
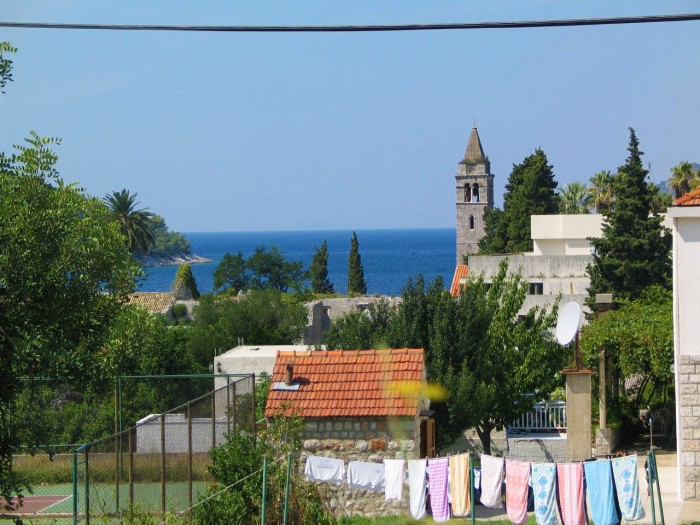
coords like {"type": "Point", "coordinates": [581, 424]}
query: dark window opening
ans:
{"type": "Point", "coordinates": [471, 222]}
{"type": "Point", "coordinates": [536, 288]}
{"type": "Point", "coordinates": [475, 193]}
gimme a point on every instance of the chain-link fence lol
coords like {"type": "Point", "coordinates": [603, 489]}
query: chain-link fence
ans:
{"type": "Point", "coordinates": [160, 463]}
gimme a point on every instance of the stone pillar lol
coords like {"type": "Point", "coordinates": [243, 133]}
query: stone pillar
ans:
{"type": "Point", "coordinates": [578, 414]}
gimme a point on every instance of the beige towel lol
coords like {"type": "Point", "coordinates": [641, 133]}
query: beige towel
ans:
{"type": "Point", "coordinates": [459, 484]}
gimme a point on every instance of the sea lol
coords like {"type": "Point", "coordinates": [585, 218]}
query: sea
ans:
{"type": "Point", "coordinates": [389, 257]}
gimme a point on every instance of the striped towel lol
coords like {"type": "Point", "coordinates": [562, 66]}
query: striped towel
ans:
{"type": "Point", "coordinates": [459, 484]}
{"type": "Point", "coordinates": [517, 485]}
{"type": "Point", "coordinates": [544, 476]}
{"type": "Point", "coordinates": [491, 481]}
{"type": "Point", "coordinates": [601, 497]}
{"type": "Point", "coordinates": [627, 486]}
{"type": "Point", "coordinates": [437, 485]}
{"type": "Point", "coordinates": [571, 500]}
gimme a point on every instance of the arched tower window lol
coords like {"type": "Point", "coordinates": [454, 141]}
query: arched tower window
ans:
{"type": "Point", "coordinates": [471, 222]}
{"type": "Point", "coordinates": [475, 193]}
{"type": "Point", "coordinates": [467, 193]}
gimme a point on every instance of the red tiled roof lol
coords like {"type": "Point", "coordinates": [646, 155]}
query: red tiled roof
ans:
{"type": "Point", "coordinates": [461, 273]}
{"type": "Point", "coordinates": [348, 383]}
{"type": "Point", "coordinates": [692, 198]}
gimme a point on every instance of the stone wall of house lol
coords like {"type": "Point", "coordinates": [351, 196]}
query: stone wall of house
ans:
{"type": "Point", "coordinates": [689, 378]}
{"type": "Point", "coordinates": [606, 440]}
{"type": "Point", "coordinates": [354, 439]}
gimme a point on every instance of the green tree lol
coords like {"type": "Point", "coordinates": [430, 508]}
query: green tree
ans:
{"type": "Point", "coordinates": [65, 274]}
{"type": "Point", "coordinates": [265, 317]}
{"type": "Point", "coordinates": [362, 330]}
{"type": "Point", "coordinates": [5, 64]}
{"type": "Point", "coordinates": [530, 191]}
{"type": "Point", "coordinates": [634, 251]}
{"type": "Point", "coordinates": [638, 341]}
{"type": "Point", "coordinates": [230, 273]}
{"type": "Point", "coordinates": [167, 242]}
{"type": "Point", "coordinates": [356, 274]}
{"type": "Point", "coordinates": [271, 271]}
{"type": "Point", "coordinates": [574, 198]}
{"type": "Point", "coordinates": [135, 225]}
{"type": "Point", "coordinates": [184, 280]}
{"type": "Point", "coordinates": [600, 197]}
{"type": "Point", "coordinates": [683, 179]}
{"type": "Point", "coordinates": [318, 271]}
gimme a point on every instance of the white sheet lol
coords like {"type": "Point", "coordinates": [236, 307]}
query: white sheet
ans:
{"type": "Point", "coordinates": [417, 487]}
{"type": "Point", "coordinates": [328, 470]}
{"type": "Point", "coordinates": [394, 475]}
{"type": "Point", "coordinates": [366, 476]}
{"type": "Point", "coordinates": [491, 481]}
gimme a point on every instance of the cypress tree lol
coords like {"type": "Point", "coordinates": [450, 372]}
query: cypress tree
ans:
{"type": "Point", "coordinates": [635, 249]}
{"type": "Point", "coordinates": [356, 275]}
{"type": "Point", "coordinates": [319, 271]}
{"type": "Point", "coordinates": [530, 191]}
{"type": "Point", "coordinates": [184, 280]}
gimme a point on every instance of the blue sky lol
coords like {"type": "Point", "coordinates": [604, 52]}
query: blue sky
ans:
{"type": "Point", "coordinates": [247, 132]}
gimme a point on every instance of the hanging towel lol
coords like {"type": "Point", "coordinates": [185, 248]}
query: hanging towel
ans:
{"type": "Point", "coordinates": [601, 497]}
{"type": "Point", "coordinates": [394, 477]}
{"type": "Point", "coordinates": [571, 500]}
{"type": "Point", "coordinates": [321, 469]}
{"type": "Point", "coordinates": [491, 481]}
{"type": "Point", "coordinates": [416, 488]}
{"type": "Point", "coordinates": [366, 476]}
{"type": "Point", "coordinates": [627, 486]}
{"type": "Point", "coordinates": [459, 484]}
{"type": "Point", "coordinates": [437, 484]}
{"type": "Point", "coordinates": [545, 493]}
{"type": "Point", "coordinates": [517, 485]}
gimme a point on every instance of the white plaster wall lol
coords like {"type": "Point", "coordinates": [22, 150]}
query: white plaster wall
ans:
{"type": "Point", "coordinates": [686, 276]}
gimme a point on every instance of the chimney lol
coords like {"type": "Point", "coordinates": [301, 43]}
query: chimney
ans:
{"type": "Point", "coordinates": [289, 372]}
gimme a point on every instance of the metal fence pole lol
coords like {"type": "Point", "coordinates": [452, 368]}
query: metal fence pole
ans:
{"type": "Point", "coordinates": [189, 453]}
{"type": "Point", "coordinates": [131, 471]}
{"type": "Point", "coordinates": [264, 491]}
{"type": "Point", "coordinates": [471, 490]}
{"type": "Point", "coordinates": [75, 486]}
{"type": "Point", "coordinates": [228, 403]}
{"type": "Point", "coordinates": [213, 419]}
{"type": "Point", "coordinates": [650, 475]}
{"type": "Point", "coordinates": [162, 462]}
{"type": "Point", "coordinates": [87, 489]}
{"type": "Point", "coordinates": [286, 489]}
{"type": "Point", "coordinates": [658, 487]}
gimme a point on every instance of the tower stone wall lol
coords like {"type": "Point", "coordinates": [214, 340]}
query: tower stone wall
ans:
{"type": "Point", "coordinates": [474, 195]}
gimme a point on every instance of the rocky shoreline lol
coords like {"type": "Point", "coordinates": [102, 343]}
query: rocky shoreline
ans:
{"type": "Point", "coordinates": [172, 259]}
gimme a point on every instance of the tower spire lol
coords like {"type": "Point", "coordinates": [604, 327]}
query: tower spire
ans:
{"type": "Point", "coordinates": [474, 152]}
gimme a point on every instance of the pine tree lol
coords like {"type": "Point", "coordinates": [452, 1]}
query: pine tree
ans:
{"type": "Point", "coordinates": [356, 275]}
{"type": "Point", "coordinates": [530, 191]}
{"type": "Point", "coordinates": [318, 271]}
{"type": "Point", "coordinates": [635, 249]}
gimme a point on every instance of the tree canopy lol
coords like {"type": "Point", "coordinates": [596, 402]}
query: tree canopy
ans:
{"type": "Point", "coordinates": [266, 269]}
{"type": "Point", "coordinates": [356, 273]}
{"type": "Point", "coordinates": [135, 225]}
{"type": "Point", "coordinates": [476, 348]}
{"type": "Point", "coordinates": [318, 271]}
{"type": "Point", "coordinates": [684, 177]}
{"type": "Point", "coordinates": [184, 280]}
{"type": "Point", "coordinates": [65, 273]}
{"type": "Point", "coordinates": [530, 191]}
{"type": "Point", "coordinates": [634, 251]}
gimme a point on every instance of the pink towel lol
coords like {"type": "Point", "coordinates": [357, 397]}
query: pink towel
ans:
{"type": "Point", "coordinates": [571, 501]}
{"type": "Point", "coordinates": [517, 484]}
{"type": "Point", "coordinates": [437, 484]}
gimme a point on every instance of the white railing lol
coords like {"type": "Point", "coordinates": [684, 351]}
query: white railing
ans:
{"type": "Point", "coordinates": [545, 416]}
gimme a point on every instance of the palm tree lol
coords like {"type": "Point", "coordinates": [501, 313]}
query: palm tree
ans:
{"type": "Point", "coordinates": [600, 196]}
{"type": "Point", "coordinates": [683, 179]}
{"type": "Point", "coordinates": [135, 224]}
{"type": "Point", "coordinates": [574, 198]}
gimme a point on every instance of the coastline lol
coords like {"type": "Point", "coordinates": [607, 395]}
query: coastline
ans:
{"type": "Point", "coordinates": [171, 260]}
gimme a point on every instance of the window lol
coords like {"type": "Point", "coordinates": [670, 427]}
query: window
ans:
{"type": "Point", "coordinates": [471, 222]}
{"type": "Point", "coordinates": [475, 193]}
{"type": "Point", "coordinates": [467, 193]}
{"type": "Point", "coordinates": [536, 288]}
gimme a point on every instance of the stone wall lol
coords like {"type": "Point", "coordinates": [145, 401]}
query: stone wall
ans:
{"type": "Point", "coordinates": [606, 440]}
{"type": "Point", "coordinates": [536, 448]}
{"type": "Point", "coordinates": [361, 439]}
{"type": "Point", "coordinates": [689, 428]}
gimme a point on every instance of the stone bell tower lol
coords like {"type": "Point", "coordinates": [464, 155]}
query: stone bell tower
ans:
{"type": "Point", "coordinates": [474, 191]}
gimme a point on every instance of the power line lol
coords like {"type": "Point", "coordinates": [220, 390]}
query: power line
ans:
{"type": "Point", "coordinates": [362, 28]}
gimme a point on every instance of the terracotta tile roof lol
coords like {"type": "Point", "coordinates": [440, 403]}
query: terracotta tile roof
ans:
{"type": "Point", "coordinates": [458, 280]}
{"type": "Point", "coordinates": [692, 198]}
{"type": "Point", "coordinates": [155, 302]}
{"type": "Point", "coordinates": [349, 383]}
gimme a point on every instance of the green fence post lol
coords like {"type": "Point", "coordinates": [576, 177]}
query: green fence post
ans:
{"type": "Point", "coordinates": [658, 487]}
{"type": "Point", "coordinates": [286, 489]}
{"type": "Point", "coordinates": [264, 491]}
{"type": "Point", "coordinates": [650, 475]}
{"type": "Point", "coordinates": [75, 486]}
{"type": "Point", "coordinates": [87, 488]}
{"type": "Point", "coordinates": [162, 462]}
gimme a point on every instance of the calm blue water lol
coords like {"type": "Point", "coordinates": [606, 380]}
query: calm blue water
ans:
{"type": "Point", "coordinates": [389, 257]}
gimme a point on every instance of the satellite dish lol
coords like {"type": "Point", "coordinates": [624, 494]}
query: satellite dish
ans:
{"type": "Point", "coordinates": [567, 324]}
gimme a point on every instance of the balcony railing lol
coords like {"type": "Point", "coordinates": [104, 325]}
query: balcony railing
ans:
{"type": "Point", "coordinates": [545, 416]}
